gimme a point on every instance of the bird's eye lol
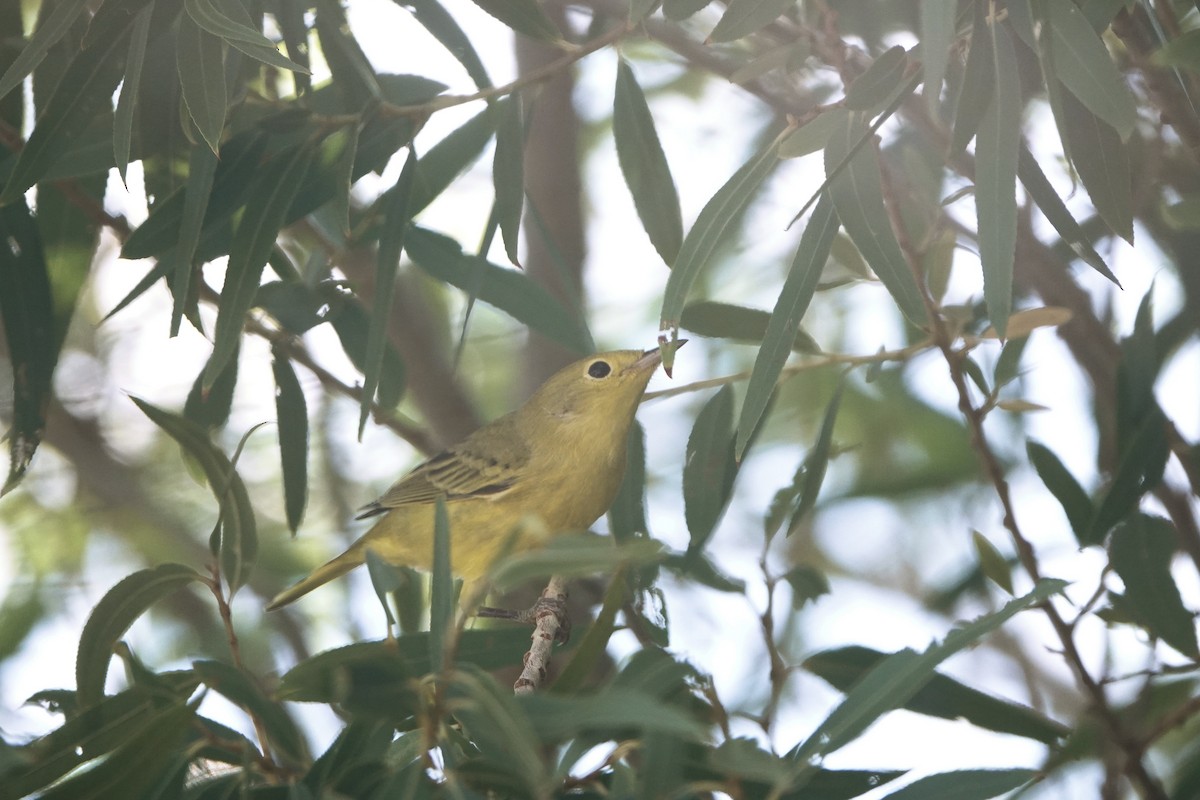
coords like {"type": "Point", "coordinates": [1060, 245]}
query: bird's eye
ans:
{"type": "Point", "coordinates": [598, 369]}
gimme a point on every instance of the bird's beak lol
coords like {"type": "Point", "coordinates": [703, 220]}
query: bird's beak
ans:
{"type": "Point", "coordinates": [653, 357]}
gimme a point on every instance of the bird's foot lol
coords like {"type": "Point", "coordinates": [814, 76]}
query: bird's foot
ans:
{"type": "Point", "coordinates": [555, 606]}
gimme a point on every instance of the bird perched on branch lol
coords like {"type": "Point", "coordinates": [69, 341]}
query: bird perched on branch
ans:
{"type": "Point", "coordinates": [560, 457]}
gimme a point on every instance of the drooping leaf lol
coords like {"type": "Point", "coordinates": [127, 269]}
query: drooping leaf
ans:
{"type": "Point", "coordinates": [396, 216]}
{"type": "Point", "coordinates": [47, 34]}
{"type": "Point", "coordinates": [744, 17]}
{"type": "Point", "coordinates": [817, 460]}
{"type": "Point", "coordinates": [508, 290]}
{"type": "Point", "coordinates": [794, 297]}
{"type": "Point", "coordinates": [446, 30]}
{"type": "Point", "coordinates": [627, 515]}
{"type": "Point", "coordinates": [737, 323]}
{"type": "Point", "coordinates": [508, 173]}
{"type": "Point", "coordinates": [229, 21]}
{"type": "Point", "coordinates": [201, 64]}
{"type": "Point", "coordinates": [126, 103]}
{"type": "Point", "coordinates": [110, 619]}
{"type": "Point", "coordinates": [450, 157]}
{"type": "Point", "coordinates": [1082, 62]}
{"type": "Point", "coordinates": [937, 34]}
{"type": "Point", "coordinates": [241, 689]}
{"type": "Point", "coordinates": [202, 167]}
{"type": "Point", "coordinates": [966, 784]}
{"type": "Point", "coordinates": [708, 232]}
{"type": "Point", "coordinates": [857, 194]}
{"type": "Point", "coordinates": [1141, 551]}
{"type": "Point", "coordinates": [1064, 487]}
{"type": "Point", "coordinates": [1140, 468]}
{"type": "Point", "coordinates": [709, 468]}
{"type": "Point", "coordinates": [644, 166]}
{"type": "Point", "coordinates": [269, 199]}
{"type": "Point", "coordinates": [238, 535]}
{"type": "Point", "coordinates": [353, 74]}
{"type": "Point", "coordinates": [210, 408]}
{"type": "Point", "coordinates": [1101, 160]}
{"type": "Point", "coordinates": [523, 16]}
{"type": "Point", "coordinates": [291, 414]}
{"type": "Point", "coordinates": [978, 83]}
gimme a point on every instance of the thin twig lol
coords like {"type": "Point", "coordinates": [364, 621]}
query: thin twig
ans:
{"type": "Point", "coordinates": [546, 631]}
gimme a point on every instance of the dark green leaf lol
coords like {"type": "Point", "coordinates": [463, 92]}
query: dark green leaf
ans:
{"type": "Point", "coordinates": [627, 514]}
{"type": "Point", "coordinates": [27, 305]}
{"type": "Point", "coordinates": [738, 323]}
{"type": "Point", "coordinates": [450, 157]}
{"type": "Point", "coordinates": [695, 566]}
{"type": "Point", "coordinates": [48, 33]}
{"type": "Point", "coordinates": [239, 537]}
{"type": "Point", "coordinates": [1143, 458]}
{"type": "Point", "coordinates": [808, 585]}
{"type": "Point", "coordinates": [1102, 162]}
{"type": "Point", "coordinates": [709, 468]}
{"type": "Point", "coordinates": [573, 555]}
{"type": "Point", "coordinates": [556, 717]}
{"type": "Point", "coordinates": [879, 82]}
{"type": "Point", "coordinates": [1008, 364]}
{"type": "Point", "coordinates": [784, 326]}
{"type": "Point", "coordinates": [1182, 51]}
{"type": "Point", "coordinates": [289, 14]}
{"type": "Point", "coordinates": [966, 784]}
{"type": "Point", "coordinates": [345, 177]}
{"type": "Point", "coordinates": [509, 290]}
{"type": "Point", "coordinates": [591, 650]}
{"type": "Point", "coordinates": [995, 180]}
{"type": "Point", "coordinates": [1082, 62]}
{"type": "Point", "coordinates": [201, 64]}
{"type": "Point", "coordinates": [230, 22]}
{"type": "Point", "coordinates": [441, 24]}
{"type": "Point", "coordinates": [291, 413]}
{"type": "Point", "coordinates": [350, 324]}
{"type": "Point", "coordinates": [1064, 487]}
{"type": "Point", "coordinates": [1057, 213]}
{"type": "Point", "coordinates": [500, 728]}
{"type": "Point", "coordinates": [441, 601]}
{"type": "Point", "coordinates": [898, 677]}
{"type": "Point", "coordinates": [644, 166]}
{"type": "Point", "coordinates": [210, 408]}
{"type": "Point", "coordinates": [508, 173]}
{"type": "Point", "coordinates": [937, 34]}
{"type": "Point", "coordinates": [709, 230]}
{"type": "Point", "coordinates": [111, 618]}
{"type": "Point", "coordinates": [269, 199]}
{"type": "Point", "coordinates": [814, 134]}
{"type": "Point", "coordinates": [84, 92]}
{"type": "Point", "coordinates": [396, 216]}
{"type": "Point", "coordinates": [678, 10]}
{"type": "Point", "coordinates": [240, 688]}
{"type": "Point", "coordinates": [202, 166]}
{"type": "Point", "coordinates": [523, 16]}
{"type": "Point", "coordinates": [744, 17]}
{"type": "Point", "coordinates": [857, 193]}
{"type": "Point", "coordinates": [978, 83]}
{"type": "Point", "coordinates": [126, 103]}
{"type": "Point", "coordinates": [817, 460]}
{"type": "Point", "coordinates": [1141, 551]}
{"type": "Point", "coordinates": [353, 74]}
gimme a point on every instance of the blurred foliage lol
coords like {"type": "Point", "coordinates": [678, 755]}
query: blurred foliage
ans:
{"type": "Point", "coordinates": [978, 159]}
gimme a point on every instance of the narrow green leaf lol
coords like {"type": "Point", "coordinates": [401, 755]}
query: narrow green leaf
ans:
{"type": "Point", "coordinates": [508, 290]}
{"type": "Point", "coordinates": [230, 22]}
{"type": "Point", "coordinates": [345, 177]}
{"type": "Point", "coordinates": [441, 601]}
{"type": "Point", "coordinates": [1101, 160]}
{"type": "Point", "coordinates": [627, 515]}
{"type": "Point", "coordinates": [709, 468]}
{"type": "Point", "coordinates": [644, 166]}
{"type": "Point", "coordinates": [508, 173]}
{"type": "Point", "coordinates": [240, 688]}
{"type": "Point", "coordinates": [942, 697]}
{"type": "Point", "coordinates": [1057, 213]}
{"type": "Point", "coordinates": [1140, 468]}
{"type": "Point", "coordinates": [445, 161]}
{"type": "Point", "coordinates": [780, 338]}
{"type": "Point", "coordinates": [711, 224]}
{"type": "Point", "coordinates": [136, 765]}
{"type": "Point", "coordinates": [442, 26]}
{"type": "Point", "coordinates": [126, 103]}
{"type": "Point", "coordinates": [879, 82]}
{"type": "Point", "coordinates": [523, 16]}
{"type": "Point", "coordinates": [350, 324]}
{"type": "Point", "coordinates": [737, 323]}
{"type": "Point", "coordinates": [595, 642]}
{"type": "Point", "coordinates": [991, 563]}
{"type": "Point", "coordinates": [501, 730]}
{"type": "Point", "coordinates": [202, 166]}
{"type": "Point", "coordinates": [814, 134]}
{"type": "Point", "coordinates": [1064, 487]}
{"type": "Point", "coordinates": [27, 306]}
{"type": "Point", "coordinates": [291, 413]}
{"type": "Point", "coordinates": [110, 619]}
{"type": "Point", "coordinates": [995, 180]}
{"type": "Point", "coordinates": [1182, 51]}
{"type": "Point", "coordinates": [808, 584]}
{"type": "Point", "coordinates": [978, 83]}
{"type": "Point", "coordinates": [269, 199]}
{"type": "Point", "coordinates": [45, 37]}
{"type": "Point", "coordinates": [239, 537]}
{"type": "Point", "coordinates": [1082, 62]}
{"type": "Point", "coordinates": [857, 193]}
{"type": "Point", "coordinates": [616, 708]}
{"type": "Point", "coordinates": [679, 10]}
{"type": "Point", "coordinates": [1008, 365]}
{"type": "Point", "coordinates": [201, 64]}
{"type": "Point", "coordinates": [210, 408]}
{"type": "Point", "coordinates": [744, 17]}
{"type": "Point", "coordinates": [396, 216]}
{"type": "Point", "coordinates": [289, 14]}
{"type": "Point", "coordinates": [937, 34]}
{"type": "Point", "coordinates": [896, 679]}
{"type": "Point", "coordinates": [573, 555]}
{"type": "Point", "coordinates": [1141, 551]}
{"type": "Point", "coordinates": [353, 75]}
{"type": "Point", "coordinates": [83, 93]}
{"type": "Point", "coordinates": [817, 460]}
{"type": "Point", "coordinates": [965, 784]}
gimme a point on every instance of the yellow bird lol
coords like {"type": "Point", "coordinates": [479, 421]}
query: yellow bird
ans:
{"type": "Point", "coordinates": [560, 457]}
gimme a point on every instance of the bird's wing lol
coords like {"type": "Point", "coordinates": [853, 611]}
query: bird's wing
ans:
{"type": "Point", "coordinates": [481, 466]}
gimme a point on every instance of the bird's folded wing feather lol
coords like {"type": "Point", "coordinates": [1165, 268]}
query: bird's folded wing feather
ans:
{"type": "Point", "coordinates": [473, 468]}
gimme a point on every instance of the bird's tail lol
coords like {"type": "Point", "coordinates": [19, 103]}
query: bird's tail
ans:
{"type": "Point", "coordinates": [318, 577]}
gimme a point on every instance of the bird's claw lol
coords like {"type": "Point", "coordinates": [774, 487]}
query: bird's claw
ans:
{"type": "Point", "coordinates": [531, 615]}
